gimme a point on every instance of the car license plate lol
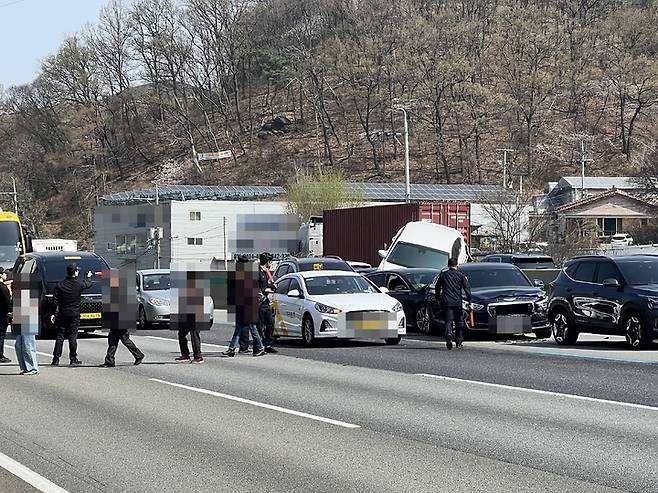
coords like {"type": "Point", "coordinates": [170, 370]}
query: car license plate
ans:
{"type": "Point", "coordinates": [89, 316]}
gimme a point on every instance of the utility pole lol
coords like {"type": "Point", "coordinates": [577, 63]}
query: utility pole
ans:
{"type": "Point", "coordinates": [13, 182]}
{"type": "Point", "coordinates": [156, 239]}
{"type": "Point", "coordinates": [225, 247]}
{"type": "Point", "coordinates": [407, 180]}
{"type": "Point", "coordinates": [504, 151]}
{"type": "Point", "coordinates": [583, 159]}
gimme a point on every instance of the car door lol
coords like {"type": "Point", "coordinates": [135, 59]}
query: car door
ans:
{"type": "Point", "coordinates": [296, 307]}
{"type": "Point", "coordinates": [399, 288]}
{"type": "Point", "coordinates": [607, 308]}
{"type": "Point", "coordinates": [581, 294]}
{"type": "Point", "coordinates": [280, 306]}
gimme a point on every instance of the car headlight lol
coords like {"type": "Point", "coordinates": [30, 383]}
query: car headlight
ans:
{"type": "Point", "coordinates": [326, 309]}
{"type": "Point", "coordinates": [158, 302]}
{"type": "Point", "coordinates": [652, 301]}
{"type": "Point", "coordinates": [397, 307]}
{"type": "Point", "coordinates": [475, 306]}
{"type": "Point", "coordinates": [542, 303]}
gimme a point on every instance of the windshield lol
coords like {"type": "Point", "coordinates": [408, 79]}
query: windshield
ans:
{"type": "Point", "coordinates": [157, 282]}
{"type": "Point", "coordinates": [409, 255]}
{"type": "Point", "coordinates": [10, 243]}
{"type": "Point", "coordinates": [54, 270]}
{"type": "Point", "coordinates": [494, 278]}
{"type": "Point", "coordinates": [338, 285]}
{"type": "Point", "coordinates": [639, 272]}
{"type": "Point", "coordinates": [421, 279]}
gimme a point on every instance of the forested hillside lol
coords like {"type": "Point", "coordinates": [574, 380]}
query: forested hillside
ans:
{"type": "Point", "coordinates": [309, 84]}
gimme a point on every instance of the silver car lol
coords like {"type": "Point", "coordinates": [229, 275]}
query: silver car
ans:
{"type": "Point", "coordinates": [153, 298]}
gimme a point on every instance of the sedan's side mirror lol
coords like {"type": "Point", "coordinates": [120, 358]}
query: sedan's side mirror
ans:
{"type": "Point", "coordinates": [611, 283]}
{"type": "Point", "coordinates": [383, 290]}
{"type": "Point", "coordinates": [294, 293]}
{"type": "Point", "coordinates": [539, 283]}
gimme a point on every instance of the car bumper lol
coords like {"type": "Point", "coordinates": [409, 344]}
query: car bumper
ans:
{"type": "Point", "coordinates": [336, 327]}
{"type": "Point", "coordinates": [157, 314]}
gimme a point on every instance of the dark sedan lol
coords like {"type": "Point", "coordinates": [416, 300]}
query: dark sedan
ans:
{"type": "Point", "coordinates": [504, 301]}
{"type": "Point", "coordinates": [409, 287]}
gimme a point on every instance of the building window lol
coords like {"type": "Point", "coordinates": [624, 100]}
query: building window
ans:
{"type": "Point", "coordinates": [195, 241]}
{"type": "Point", "coordinates": [195, 216]}
{"type": "Point", "coordinates": [609, 226]}
{"type": "Point", "coordinates": [131, 244]}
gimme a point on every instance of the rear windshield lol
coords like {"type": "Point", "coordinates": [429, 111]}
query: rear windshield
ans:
{"type": "Point", "coordinates": [410, 255]}
{"type": "Point", "coordinates": [324, 265]}
{"type": "Point", "coordinates": [639, 272]}
{"type": "Point", "coordinates": [534, 263]}
{"type": "Point", "coordinates": [495, 278]}
{"type": "Point", "coordinates": [54, 270]}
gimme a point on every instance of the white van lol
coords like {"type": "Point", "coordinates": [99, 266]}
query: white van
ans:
{"type": "Point", "coordinates": [424, 245]}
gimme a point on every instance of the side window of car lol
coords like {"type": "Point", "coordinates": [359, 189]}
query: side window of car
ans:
{"type": "Point", "coordinates": [294, 284]}
{"type": "Point", "coordinates": [282, 270]}
{"type": "Point", "coordinates": [137, 281]}
{"type": "Point", "coordinates": [585, 272]}
{"type": "Point", "coordinates": [571, 270]}
{"type": "Point", "coordinates": [396, 283]}
{"type": "Point", "coordinates": [607, 270]}
{"type": "Point", "coordinates": [282, 287]}
{"type": "Point", "coordinates": [378, 280]}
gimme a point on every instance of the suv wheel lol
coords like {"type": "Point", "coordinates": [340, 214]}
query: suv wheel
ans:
{"type": "Point", "coordinates": [564, 330]}
{"type": "Point", "coordinates": [637, 334]}
{"type": "Point", "coordinates": [308, 331]}
{"type": "Point", "coordinates": [423, 321]}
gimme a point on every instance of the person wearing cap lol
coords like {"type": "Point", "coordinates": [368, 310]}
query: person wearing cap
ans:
{"type": "Point", "coordinates": [66, 316]}
{"type": "Point", "coordinates": [266, 287]}
{"type": "Point", "coordinates": [5, 309]}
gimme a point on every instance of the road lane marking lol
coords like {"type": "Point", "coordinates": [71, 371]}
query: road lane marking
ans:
{"type": "Point", "coordinates": [13, 348]}
{"type": "Point", "coordinates": [176, 340]}
{"type": "Point", "coordinates": [29, 476]}
{"type": "Point", "coordinates": [542, 392]}
{"type": "Point", "coordinates": [593, 357]}
{"type": "Point", "coordinates": [259, 404]}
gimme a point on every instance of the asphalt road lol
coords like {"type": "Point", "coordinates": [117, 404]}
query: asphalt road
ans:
{"type": "Point", "coordinates": [354, 416]}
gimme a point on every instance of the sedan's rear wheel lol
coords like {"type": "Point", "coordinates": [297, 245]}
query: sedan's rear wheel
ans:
{"type": "Point", "coordinates": [564, 330]}
{"type": "Point", "coordinates": [423, 320]}
{"type": "Point", "coordinates": [638, 336]}
{"type": "Point", "coordinates": [308, 331]}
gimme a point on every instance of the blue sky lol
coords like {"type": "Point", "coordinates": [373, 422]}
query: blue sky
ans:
{"type": "Point", "coordinates": [30, 30]}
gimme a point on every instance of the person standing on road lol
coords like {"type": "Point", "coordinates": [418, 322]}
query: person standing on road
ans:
{"type": "Point", "coordinates": [66, 305]}
{"type": "Point", "coordinates": [244, 297]}
{"type": "Point", "coordinates": [114, 299]}
{"type": "Point", "coordinates": [189, 320]}
{"type": "Point", "coordinates": [5, 308]}
{"type": "Point", "coordinates": [451, 289]}
{"type": "Point", "coordinates": [266, 287]}
{"type": "Point", "coordinates": [25, 323]}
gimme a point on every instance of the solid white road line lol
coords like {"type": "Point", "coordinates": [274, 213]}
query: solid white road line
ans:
{"type": "Point", "coordinates": [29, 476]}
{"type": "Point", "coordinates": [259, 404]}
{"type": "Point", "coordinates": [543, 392]}
{"type": "Point", "coordinates": [40, 354]}
{"type": "Point", "coordinates": [176, 340]}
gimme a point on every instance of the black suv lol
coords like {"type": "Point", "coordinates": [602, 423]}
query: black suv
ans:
{"type": "Point", "coordinates": [50, 268]}
{"type": "Point", "coordinates": [601, 295]}
{"type": "Point", "coordinates": [294, 264]}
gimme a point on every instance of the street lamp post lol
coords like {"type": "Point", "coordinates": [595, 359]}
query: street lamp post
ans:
{"type": "Point", "coordinates": [407, 190]}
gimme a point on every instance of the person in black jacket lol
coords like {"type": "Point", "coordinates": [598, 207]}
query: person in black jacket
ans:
{"type": "Point", "coordinates": [266, 287]}
{"type": "Point", "coordinates": [66, 305]}
{"type": "Point", "coordinates": [451, 289]}
{"type": "Point", "coordinates": [5, 308]}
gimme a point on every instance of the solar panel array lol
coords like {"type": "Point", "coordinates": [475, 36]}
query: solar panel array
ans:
{"type": "Point", "coordinates": [376, 192]}
{"type": "Point", "coordinates": [192, 192]}
{"type": "Point", "coordinates": [603, 182]}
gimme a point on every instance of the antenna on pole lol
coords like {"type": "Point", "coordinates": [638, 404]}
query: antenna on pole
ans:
{"type": "Point", "coordinates": [504, 163]}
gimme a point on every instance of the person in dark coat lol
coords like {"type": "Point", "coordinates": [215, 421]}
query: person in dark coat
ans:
{"type": "Point", "coordinates": [244, 297]}
{"type": "Point", "coordinates": [66, 305]}
{"type": "Point", "coordinates": [266, 287]}
{"type": "Point", "coordinates": [451, 289]}
{"type": "Point", "coordinates": [5, 309]}
{"type": "Point", "coordinates": [114, 299]}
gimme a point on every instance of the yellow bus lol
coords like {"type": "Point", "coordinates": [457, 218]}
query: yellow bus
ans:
{"type": "Point", "coordinates": [14, 239]}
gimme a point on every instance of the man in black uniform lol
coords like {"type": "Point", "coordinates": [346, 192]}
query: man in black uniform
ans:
{"type": "Point", "coordinates": [266, 287]}
{"type": "Point", "coordinates": [66, 305]}
{"type": "Point", "coordinates": [449, 288]}
{"type": "Point", "coordinates": [5, 308]}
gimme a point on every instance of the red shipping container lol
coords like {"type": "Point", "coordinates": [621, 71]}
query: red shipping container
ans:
{"type": "Point", "coordinates": [358, 233]}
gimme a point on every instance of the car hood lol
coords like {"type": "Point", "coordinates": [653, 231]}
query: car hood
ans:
{"type": "Point", "coordinates": [354, 302]}
{"type": "Point", "coordinates": [505, 293]}
{"type": "Point", "coordinates": [647, 289]}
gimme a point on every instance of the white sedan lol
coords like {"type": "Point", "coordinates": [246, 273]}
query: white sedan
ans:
{"type": "Point", "coordinates": [335, 304]}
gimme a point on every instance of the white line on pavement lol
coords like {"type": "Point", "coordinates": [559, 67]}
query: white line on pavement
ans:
{"type": "Point", "coordinates": [29, 476]}
{"type": "Point", "coordinates": [543, 392]}
{"type": "Point", "coordinates": [259, 404]}
{"type": "Point", "coordinates": [40, 354]}
{"type": "Point", "coordinates": [176, 340]}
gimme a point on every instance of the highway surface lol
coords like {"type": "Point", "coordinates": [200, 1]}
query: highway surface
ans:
{"type": "Point", "coordinates": [352, 416]}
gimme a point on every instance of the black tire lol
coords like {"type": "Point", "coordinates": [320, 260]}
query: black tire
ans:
{"type": "Point", "coordinates": [142, 322]}
{"type": "Point", "coordinates": [308, 331]}
{"type": "Point", "coordinates": [563, 328]}
{"type": "Point", "coordinates": [543, 334]}
{"type": "Point", "coordinates": [392, 341]}
{"type": "Point", "coordinates": [423, 320]}
{"type": "Point", "coordinates": [636, 330]}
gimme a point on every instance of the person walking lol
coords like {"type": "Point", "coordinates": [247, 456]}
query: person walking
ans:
{"type": "Point", "coordinates": [5, 309]}
{"type": "Point", "coordinates": [244, 297]}
{"type": "Point", "coordinates": [115, 321]}
{"type": "Point", "coordinates": [451, 288]}
{"type": "Point", "coordinates": [25, 324]}
{"type": "Point", "coordinates": [266, 287]}
{"type": "Point", "coordinates": [188, 321]}
{"type": "Point", "coordinates": [66, 305]}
